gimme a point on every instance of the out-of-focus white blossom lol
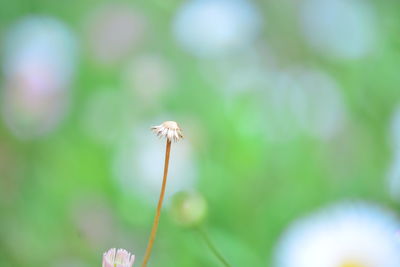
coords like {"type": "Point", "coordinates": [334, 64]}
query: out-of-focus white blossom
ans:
{"type": "Point", "coordinates": [343, 29]}
{"type": "Point", "coordinates": [393, 175]}
{"type": "Point", "coordinates": [39, 63]}
{"type": "Point", "coordinates": [208, 28]}
{"type": "Point", "coordinates": [347, 234]}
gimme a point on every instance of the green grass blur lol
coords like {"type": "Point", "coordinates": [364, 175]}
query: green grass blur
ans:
{"type": "Point", "coordinates": [61, 204]}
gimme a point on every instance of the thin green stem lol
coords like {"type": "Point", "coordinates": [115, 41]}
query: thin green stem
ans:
{"type": "Point", "coordinates": [212, 247]}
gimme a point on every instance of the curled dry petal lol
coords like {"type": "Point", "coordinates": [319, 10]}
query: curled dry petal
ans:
{"type": "Point", "coordinates": [169, 130]}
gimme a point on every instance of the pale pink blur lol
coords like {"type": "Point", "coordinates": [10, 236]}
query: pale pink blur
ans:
{"type": "Point", "coordinates": [118, 258]}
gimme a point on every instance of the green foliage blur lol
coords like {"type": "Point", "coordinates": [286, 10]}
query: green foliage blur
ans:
{"type": "Point", "coordinates": [62, 205]}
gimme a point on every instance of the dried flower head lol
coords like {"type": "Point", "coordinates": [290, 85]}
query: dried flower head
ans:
{"type": "Point", "coordinates": [169, 130]}
{"type": "Point", "coordinates": [119, 258]}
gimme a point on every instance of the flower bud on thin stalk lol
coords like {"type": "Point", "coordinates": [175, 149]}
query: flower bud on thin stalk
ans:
{"type": "Point", "coordinates": [189, 210]}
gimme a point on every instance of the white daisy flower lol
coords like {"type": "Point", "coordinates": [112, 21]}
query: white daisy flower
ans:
{"type": "Point", "coordinates": [345, 235]}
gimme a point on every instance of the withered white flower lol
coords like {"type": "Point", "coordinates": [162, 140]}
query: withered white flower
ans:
{"type": "Point", "coordinates": [169, 130]}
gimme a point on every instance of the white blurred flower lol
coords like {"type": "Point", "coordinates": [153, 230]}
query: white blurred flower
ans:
{"type": "Point", "coordinates": [114, 29]}
{"type": "Point", "coordinates": [339, 28]}
{"type": "Point", "coordinates": [393, 178]}
{"type": "Point", "coordinates": [394, 130]}
{"type": "Point", "coordinates": [303, 100]}
{"type": "Point", "coordinates": [136, 165]}
{"type": "Point", "coordinates": [393, 175]}
{"type": "Point", "coordinates": [39, 62]}
{"type": "Point", "coordinates": [344, 235]}
{"type": "Point", "coordinates": [208, 28]}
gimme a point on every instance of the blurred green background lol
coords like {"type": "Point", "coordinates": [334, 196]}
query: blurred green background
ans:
{"type": "Point", "coordinates": [285, 105]}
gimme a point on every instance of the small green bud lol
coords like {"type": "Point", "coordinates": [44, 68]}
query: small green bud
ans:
{"type": "Point", "coordinates": [188, 208]}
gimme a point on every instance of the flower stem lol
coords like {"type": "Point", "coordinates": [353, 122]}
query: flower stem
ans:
{"type": "Point", "coordinates": [212, 247]}
{"type": "Point", "coordinates": [160, 202]}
